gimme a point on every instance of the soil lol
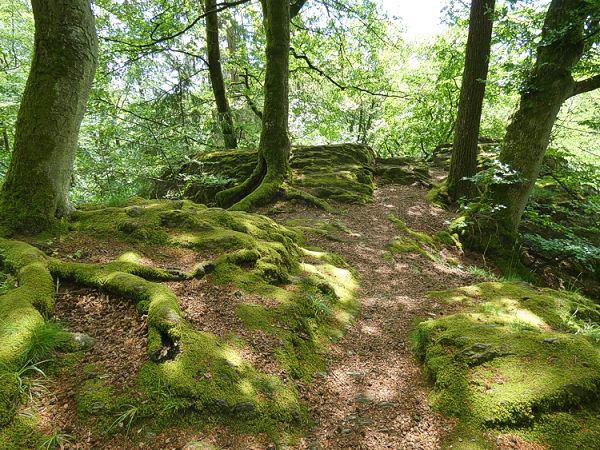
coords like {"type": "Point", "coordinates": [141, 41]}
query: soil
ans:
{"type": "Point", "coordinates": [373, 395]}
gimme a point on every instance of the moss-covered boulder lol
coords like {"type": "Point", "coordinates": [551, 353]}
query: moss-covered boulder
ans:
{"type": "Point", "coordinates": [441, 155]}
{"type": "Point", "coordinates": [341, 172]}
{"type": "Point", "coordinates": [402, 170]}
{"type": "Point", "coordinates": [513, 355]}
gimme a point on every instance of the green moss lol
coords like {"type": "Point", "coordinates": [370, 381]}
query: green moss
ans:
{"type": "Point", "coordinates": [419, 242]}
{"type": "Point", "coordinates": [568, 431]}
{"type": "Point", "coordinates": [9, 396]}
{"type": "Point", "coordinates": [201, 375]}
{"type": "Point", "coordinates": [21, 434]}
{"type": "Point", "coordinates": [210, 378]}
{"type": "Point", "coordinates": [403, 171]}
{"type": "Point", "coordinates": [511, 357]}
{"type": "Point", "coordinates": [405, 245]}
{"type": "Point", "coordinates": [96, 398]}
{"type": "Point", "coordinates": [307, 321]}
{"type": "Point", "coordinates": [438, 194]}
{"type": "Point", "coordinates": [341, 172]}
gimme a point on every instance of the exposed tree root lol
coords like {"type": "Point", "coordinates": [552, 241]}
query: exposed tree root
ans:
{"type": "Point", "coordinates": [194, 370]}
{"type": "Point", "coordinates": [23, 309]}
{"type": "Point", "coordinates": [231, 196]}
{"type": "Point", "coordinates": [264, 187]}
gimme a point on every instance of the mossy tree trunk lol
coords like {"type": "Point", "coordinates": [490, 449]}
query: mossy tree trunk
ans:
{"type": "Point", "coordinates": [272, 168]}
{"type": "Point", "coordinates": [216, 74]}
{"type": "Point", "coordinates": [569, 29]}
{"type": "Point", "coordinates": [464, 151]}
{"type": "Point", "coordinates": [64, 62]}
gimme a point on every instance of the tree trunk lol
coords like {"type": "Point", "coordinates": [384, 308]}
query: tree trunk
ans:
{"type": "Point", "coordinates": [274, 148]}
{"type": "Point", "coordinates": [528, 134]}
{"type": "Point", "coordinates": [464, 151]}
{"type": "Point", "coordinates": [64, 61]}
{"type": "Point", "coordinates": [216, 74]}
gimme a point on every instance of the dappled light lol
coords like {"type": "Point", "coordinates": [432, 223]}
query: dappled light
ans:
{"type": "Point", "coordinates": [292, 224]}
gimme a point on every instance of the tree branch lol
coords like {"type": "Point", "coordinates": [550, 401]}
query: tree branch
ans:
{"type": "Point", "coordinates": [587, 85]}
{"type": "Point", "coordinates": [296, 7]}
{"type": "Point", "coordinates": [220, 7]}
{"type": "Point", "coordinates": [339, 85]}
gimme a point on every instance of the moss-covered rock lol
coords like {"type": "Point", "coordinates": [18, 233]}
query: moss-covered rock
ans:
{"type": "Point", "coordinates": [412, 241]}
{"type": "Point", "coordinates": [402, 170]}
{"type": "Point", "coordinates": [341, 172]}
{"type": "Point", "coordinates": [513, 355]}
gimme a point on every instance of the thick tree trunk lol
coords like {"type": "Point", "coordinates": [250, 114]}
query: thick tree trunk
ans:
{"type": "Point", "coordinates": [274, 148]}
{"type": "Point", "coordinates": [64, 62]}
{"type": "Point", "coordinates": [216, 74]}
{"type": "Point", "coordinates": [528, 134]}
{"type": "Point", "coordinates": [464, 153]}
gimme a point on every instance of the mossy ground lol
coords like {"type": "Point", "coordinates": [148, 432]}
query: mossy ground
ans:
{"type": "Point", "coordinates": [206, 380]}
{"type": "Point", "coordinates": [411, 241]}
{"type": "Point", "coordinates": [516, 359]}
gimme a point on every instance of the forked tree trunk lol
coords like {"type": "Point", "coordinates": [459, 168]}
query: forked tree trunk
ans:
{"type": "Point", "coordinates": [274, 148]}
{"type": "Point", "coordinates": [464, 150]}
{"type": "Point", "coordinates": [216, 74]}
{"type": "Point", "coordinates": [564, 41]}
{"type": "Point", "coordinates": [64, 62]}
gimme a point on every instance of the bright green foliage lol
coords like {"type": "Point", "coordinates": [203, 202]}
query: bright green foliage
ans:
{"type": "Point", "coordinates": [514, 354]}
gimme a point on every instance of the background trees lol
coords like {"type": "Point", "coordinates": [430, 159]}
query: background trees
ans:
{"type": "Point", "coordinates": [225, 116]}
{"type": "Point", "coordinates": [353, 78]}
{"type": "Point", "coordinates": [464, 148]}
{"type": "Point", "coordinates": [570, 30]}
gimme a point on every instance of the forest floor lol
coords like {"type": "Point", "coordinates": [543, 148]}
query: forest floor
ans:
{"type": "Point", "coordinates": [373, 394]}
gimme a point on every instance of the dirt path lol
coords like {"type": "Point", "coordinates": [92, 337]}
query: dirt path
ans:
{"type": "Point", "coordinates": [374, 395]}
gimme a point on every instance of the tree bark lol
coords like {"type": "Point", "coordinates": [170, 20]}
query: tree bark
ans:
{"type": "Point", "coordinates": [274, 148]}
{"type": "Point", "coordinates": [464, 150]}
{"type": "Point", "coordinates": [64, 62]}
{"type": "Point", "coordinates": [216, 74]}
{"type": "Point", "coordinates": [528, 134]}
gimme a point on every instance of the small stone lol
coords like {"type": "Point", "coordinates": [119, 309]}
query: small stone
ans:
{"type": "Point", "coordinates": [244, 408]}
{"type": "Point", "coordinates": [199, 271]}
{"type": "Point", "coordinates": [386, 405]}
{"type": "Point", "coordinates": [128, 226]}
{"type": "Point", "coordinates": [208, 266]}
{"type": "Point", "coordinates": [480, 346]}
{"type": "Point", "coordinates": [355, 374]}
{"type": "Point", "coordinates": [221, 404]}
{"type": "Point", "coordinates": [135, 211]}
{"type": "Point", "coordinates": [80, 342]}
